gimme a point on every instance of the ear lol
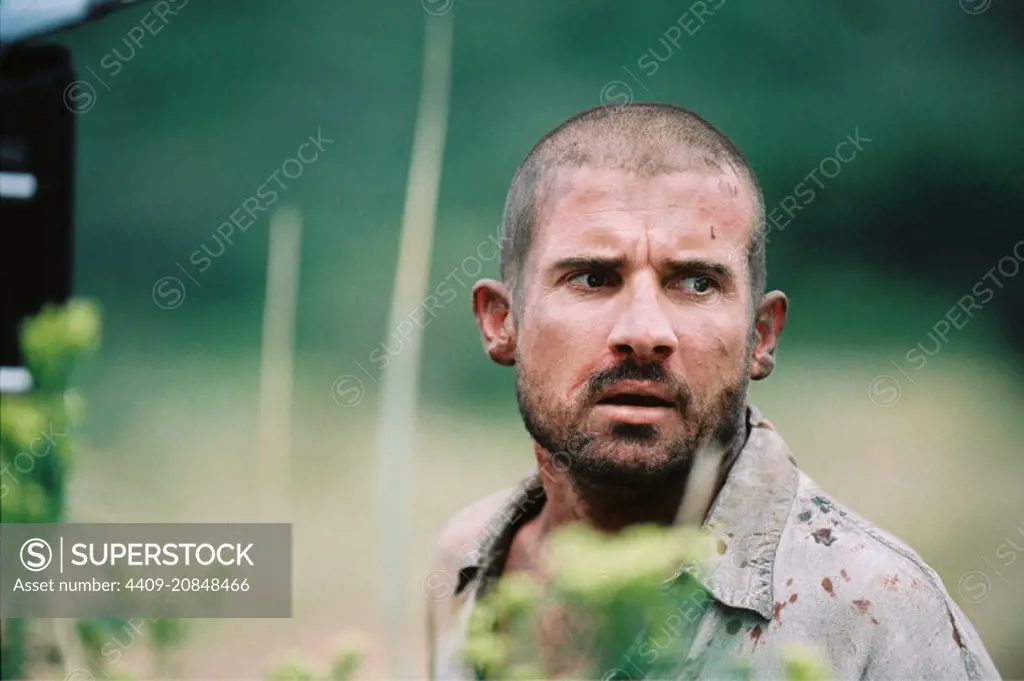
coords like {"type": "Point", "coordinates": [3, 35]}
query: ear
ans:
{"type": "Point", "coordinates": [492, 306]}
{"type": "Point", "coordinates": [769, 320]}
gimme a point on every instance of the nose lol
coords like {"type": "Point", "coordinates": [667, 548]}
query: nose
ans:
{"type": "Point", "coordinates": [642, 330]}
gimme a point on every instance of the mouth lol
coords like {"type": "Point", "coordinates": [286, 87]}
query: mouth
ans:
{"type": "Point", "coordinates": [636, 404]}
{"type": "Point", "coordinates": [637, 394]}
{"type": "Point", "coordinates": [635, 400]}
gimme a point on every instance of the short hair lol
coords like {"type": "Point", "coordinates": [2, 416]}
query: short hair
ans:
{"type": "Point", "coordinates": [644, 138]}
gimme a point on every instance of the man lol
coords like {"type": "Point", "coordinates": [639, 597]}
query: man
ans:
{"type": "Point", "coordinates": [632, 306]}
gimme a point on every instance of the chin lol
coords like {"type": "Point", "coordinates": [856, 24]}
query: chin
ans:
{"type": "Point", "coordinates": [631, 456]}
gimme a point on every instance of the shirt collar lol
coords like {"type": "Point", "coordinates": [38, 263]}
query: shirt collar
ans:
{"type": "Point", "coordinates": [747, 518]}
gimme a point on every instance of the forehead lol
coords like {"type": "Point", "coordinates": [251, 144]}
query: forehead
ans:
{"type": "Point", "coordinates": [683, 210]}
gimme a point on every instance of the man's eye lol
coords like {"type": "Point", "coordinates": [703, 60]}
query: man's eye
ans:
{"type": "Point", "coordinates": [700, 285]}
{"type": "Point", "coordinates": [591, 279]}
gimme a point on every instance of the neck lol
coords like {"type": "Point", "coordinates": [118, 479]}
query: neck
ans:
{"type": "Point", "coordinates": [683, 500]}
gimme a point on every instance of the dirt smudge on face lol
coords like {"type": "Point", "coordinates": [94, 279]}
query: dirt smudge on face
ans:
{"type": "Point", "coordinates": [826, 584]}
{"type": "Point", "coordinates": [844, 575]}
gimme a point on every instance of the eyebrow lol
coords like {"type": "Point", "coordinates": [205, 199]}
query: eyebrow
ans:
{"type": "Point", "coordinates": [588, 263]}
{"type": "Point", "coordinates": [699, 265]}
{"type": "Point", "coordinates": [674, 266]}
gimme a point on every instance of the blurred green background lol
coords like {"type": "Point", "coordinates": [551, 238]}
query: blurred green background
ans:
{"type": "Point", "coordinates": [203, 112]}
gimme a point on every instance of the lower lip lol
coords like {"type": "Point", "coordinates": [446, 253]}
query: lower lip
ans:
{"type": "Point", "coordinates": [628, 413]}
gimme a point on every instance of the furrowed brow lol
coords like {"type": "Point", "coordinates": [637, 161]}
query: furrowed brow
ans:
{"type": "Point", "coordinates": [587, 263]}
{"type": "Point", "coordinates": [699, 265]}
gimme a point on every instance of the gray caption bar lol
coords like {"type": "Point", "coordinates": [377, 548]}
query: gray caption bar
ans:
{"type": "Point", "coordinates": [86, 570]}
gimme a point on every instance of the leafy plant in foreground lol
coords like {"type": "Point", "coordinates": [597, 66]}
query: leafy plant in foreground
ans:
{"type": "Point", "coordinates": [604, 594]}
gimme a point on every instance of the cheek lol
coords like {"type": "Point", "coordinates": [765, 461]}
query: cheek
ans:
{"type": "Point", "coordinates": [712, 351]}
{"type": "Point", "coordinates": [560, 351]}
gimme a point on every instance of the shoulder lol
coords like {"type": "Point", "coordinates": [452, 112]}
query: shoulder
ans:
{"type": "Point", "coordinates": [457, 553]}
{"type": "Point", "coordinates": [463, 533]}
{"type": "Point", "coordinates": [455, 561]}
{"type": "Point", "coordinates": [869, 584]}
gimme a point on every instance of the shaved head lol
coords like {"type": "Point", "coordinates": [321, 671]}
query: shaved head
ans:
{"type": "Point", "coordinates": [645, 139]}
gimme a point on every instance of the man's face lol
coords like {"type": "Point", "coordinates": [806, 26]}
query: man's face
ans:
{"type": "Point", "coordinates": [635, 330]}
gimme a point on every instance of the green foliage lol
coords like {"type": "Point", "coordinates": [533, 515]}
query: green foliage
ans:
{"type": "Point", "coordinates": [804, 664]}
{"type": "Point", "coordinates": [35, 443]}
{"type": "Point", "coordinates": [56, 338]}
{"type": "Point", "coordinates": [604, 593]}
{"type": "Point", "coordinates": [92, 634]}
{"type": "Point", "coordinates": [350, 651]}
{"type": "Point", "coordinates": [36, 456]}
{"type": "Point", "coordinates": [35, 436]}
{"type": "Point", "coordinates": [167, 632]}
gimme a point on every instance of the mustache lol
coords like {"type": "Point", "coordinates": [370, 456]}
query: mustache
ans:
{"type": "Point", "coordinates": [630, 369]}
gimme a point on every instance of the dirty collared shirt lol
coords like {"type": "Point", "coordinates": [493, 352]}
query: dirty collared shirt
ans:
{"type": "Point", "coordinates": [794, 566]}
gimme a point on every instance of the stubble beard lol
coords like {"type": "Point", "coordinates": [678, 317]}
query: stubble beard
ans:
{"type": "Point", "coordinates": [629, 457]}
